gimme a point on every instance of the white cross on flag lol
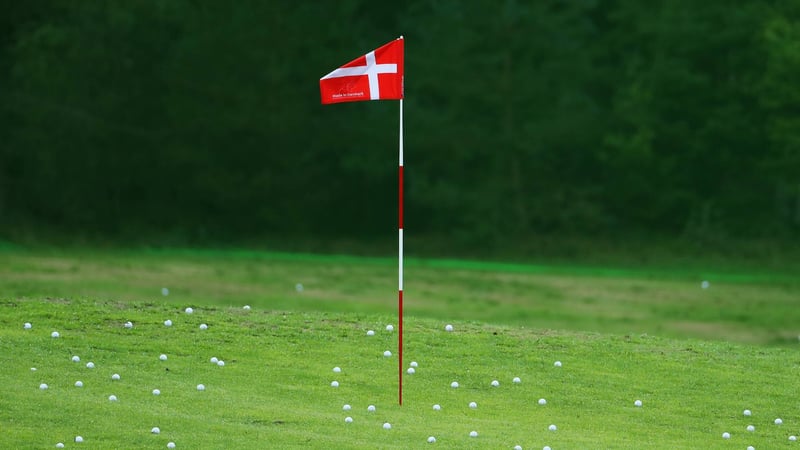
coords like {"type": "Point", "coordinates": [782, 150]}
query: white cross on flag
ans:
{"type": "Point", "coordinates": [378, 75]}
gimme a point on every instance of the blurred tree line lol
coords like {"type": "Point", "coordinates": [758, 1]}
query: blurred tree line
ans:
{"type": "Point", "coordinates": [201, 119]}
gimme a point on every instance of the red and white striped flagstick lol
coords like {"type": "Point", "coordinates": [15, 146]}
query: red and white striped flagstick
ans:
{"type": "Point", "coordinates": [400, 264]}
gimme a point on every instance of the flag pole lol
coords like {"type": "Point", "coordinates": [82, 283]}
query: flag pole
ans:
{"type": "Point", "coordinates": [400, 264]}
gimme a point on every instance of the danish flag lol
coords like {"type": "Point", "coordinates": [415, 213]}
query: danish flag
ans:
{"type": "Point", "coordinates": [378, 75]}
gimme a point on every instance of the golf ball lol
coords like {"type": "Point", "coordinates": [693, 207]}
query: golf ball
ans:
{"type": "Point", "coordinates": [334, 384]}
{"type": "Point", "coordinates": [778, 421]}
{"type": "Point", "coordinates": [371, 408]}
{"type": "Point", "coordinates": [246, 307]}
{"type": "Point", "coordinates": [156, 392]}
{"type": "Point", "coordinates": [163, 357]}
{"type": "Point", "coordinates": [413, 364]}
{"type": "Point", "coordinates": [387, 353]}
{"type": "Point", "coordinates": [203, 326]}
{"type": "Point", "coordinates": [337, 369]}
{"type": "Point", "coordinates": [411, 371]}
{"type": "Point", "coordinates": [495, 383]}
{"type": "Point", "coordinates": [370, 333]}
{"type": "Point", "coordinates": [473, 405]}
{"type": "Point", "coordinates": [115, 377]}
{"type": "Point", "coordinates": [705, 284]}
{"type": "Point", "coordinates": [60, 445]}
{"type": "Point", "coordinates": [552, 428]}
{"type": "Point", "coordinates": [542, 401]}
{"type": "Point", "coordinates": [726, 435]}
{"type": "Point", "coordinates": [517, 447]}
{"type": "Point", "coordinates": [348, 419]}
{"type": "Point", "coordinates": [516, 380]}
{"type": "Point", "coordinates": [167, 323]}
{"type": "Point", "coordinates": [431, 439]}
{"type": "Point", "coordinates": [76, 358]}
{"type": "Point", "coordinates": [792, 438]}
{"type": "Point", "coordinates": [747, 412]}
{"type": "Point", "coordinates": [546, 447]}
{"type": "Point", "coordinates": [637, 403]}
{"type": "Point", "coordinates": [751, 428]}
{"type": "Point", "coordinates": [33, 369]}
{"type": "Point", "coordinates": [78, 439]}
{"type": "Point", "coordinates": [164, 292]}
{"type": "Point", "coordinates": [90, 365]}
{"type": "Point", "coordinates": [201, 387]}
{"type": "Point", "coordinates": [112, 398]}
{"type": "Point", "coordinates": [128, 324]}
{"type": "Point", "coordinates": [750, 447]}
{"type": "Point", "coordinates": [448, 327]}
{"type": "Point", "coordinates": [170, 445]}
{"type": "Point", "coordinates": [43, 386]}
{"type": "Point", "coordinates": [188, 310]}
{"type": "Point", "coordinates": [454, 384]}
{"type": "Point", "coordinates": [390, 328]}
{"type": "Point", "coordinates": [346, 407]}
{"type": "Point", "coordinates": [27, 326]}
{"type": "Point", "coordinates": [473, 434]}
{"type": "Point", "coordinates": [437, 407]}
{"type": "Point", "coordinates": [214, 360]}
{"type": "Point", "coordinates": [221, 363]}
{"type": "Point", "coordinates": [79, 383]}
{"type": "Point", "coordinates": [557, 363]}
{"type": "Point", "coordinates": [298, 287]}
{"type": "Point", "coordinates": [55, 334]}
{"type": "Point", "coordinates": [155, 430]}
{"type": "Point", "coordinates": [387, 426]}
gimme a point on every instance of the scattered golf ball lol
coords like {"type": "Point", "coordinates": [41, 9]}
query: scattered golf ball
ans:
{"type": "Point", "coordinates": [371, 408]}
{"type": "Point", "coordinates": [390, 328]}
{"type": "Point", "coordinates": [778, 421]}
{"type": "Point", "coordinates": [516, 380]}
{"type": "Point", "coordinates": [750, 447]}
{"type": "Point", "coordinates": [167, 323]}
{"type": "Point", "coordinates": [201, 387]}
{"type": "Point", "coordinates": [454, 384]}
{"type": "Point", "coordinates": [54, 334]}
{"type": "Point", "coordinates": [33, 369]}
{"type": "Point", "coordinates": [370, 333]}
{"type": "Point", "coordinates": [162, 357]}
{"type": "Point", "coordinates": [115, 377]}
{"type": "Point", "coordinates": [751, 428]}
{"type": "Point", "coordinates": [156, 392]}
{"type": "Point", "coordinates": [246, 307]}
{"type": "Point", "coordinates": [705, 284]}
{"type": "Point", "coordinates": [334, 384]}
{"type": "Point", "coordinates": [78, 439]}
{"type": "Point", "coordinates": [188, 310]}
{"type": "Point", "coordinates": [346, 407]}
{"type": "Point", "coordinates": [557, 363]}
{"type": "Point", "coordinates": [76, 358]}
{"type": "Point", "coordinates": [164, 292]}
{"type": "Point", "coordinates": [128, 324]}
{"type": "Point", "coordinates": [112, 398]}
{"type": "Point", "coordinates": [792, 438]}
{"type": "Point", "coordinates": [387, 426]}
{"type": "Point", "coordinates": [411, 371]}
{"type": "Point", "coordinates": [747, 412]}
{"type": "Point", "coordinates": [517, 447]}
{"type": "Point", "coordinates": [43, 386]}
{"type": "Point", "coordinates": [387, 353]}
{"type": "Point", "coordinates": [552, 428]}
{"type": "Point", "coordinates": [437, 407]}
{"type": "Point", "coordinates": [60, 445]}
{"type": "Point", "coordinates": [414, 364]}
{"type": "Point", "coordinates": [431, 440]}
{"type": "Point", "coordinates": [203, 326]}
{"type": "Point", "coordinates": [473, 434]}
{"type": "Point", "coordinates": [27, 326]}
{"type": "Point", "coordinates": [337, 369]}
{"type": "Point", "coordinates": [726, 435]}
{"type": "Point", "coordinates": [90, 365]}
{"type": "Point", "coordinates": [448, 327]}
{"type": "Point", "coordinates": [214, 360]}
{"type": "Point", "coordinates": [495, 383]}
{"type": "Point", "coordinates": [298, 287]}
{"type": "Point", "coordinates": [221, 363]}
{"type": "Point", "coordinates": [542, 401]}
{"type": "Point", "coordinates": [79, 383]}
{"type": "Point", "coordinates": [473, 405]}
{"type": "Point", "coordinates": [155, 430]}
{"type": "Point", "coordinates": [348, 419]}
{"type": "Point", "coordinates": [637, 403]}
{"type": "Point", "coordinates": [170, 445]}
{"type": "Point", "coordinates": [546, 447]}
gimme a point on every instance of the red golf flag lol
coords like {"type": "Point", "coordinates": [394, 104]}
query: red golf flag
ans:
{"type": "Point", "coordinates": [378, 75]}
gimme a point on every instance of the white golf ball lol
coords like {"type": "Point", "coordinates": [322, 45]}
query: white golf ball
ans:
{"type": "Point", "coordinates": [298, 287]}
{"type": "Point", "coordinates": [348, 419]}
{"type": "Point", "coordinates": [221, 363]}
{"type": "Point", "coordinates": [78, 439]}
{"type": "Point", "coordinates": [129, 324]}
{"type": "Point", "coordinates": [387, 426]}
{"type": "Point", "coordinates": [516, 380]}
{"type": "Point", "coordinates": [705, 284]}
{"type": "Point", "coordinates": [387, 353]}
{"type": "Point", "coordinates": [33, 369]}
{"type": "Point", "coordinates": [792, 438]}
{"type": "Point", "coordinates": [431, 439]}
{"type": "Point", "coordinates": [346, 407]}
{"type": "Point", "coordinates": [76, 358]}
{"type": "Point", "coordinates": [390, 328]}
{"type": "Point", "coordinates": [751, 428]}
{"type": "Point", "coordinates": [188, 310]}
{"type": "Point", "coordinates": [337, 369]}
{"type": "Point", "coordinates": [60, 445]}
{"type": "Point", "coordinates": [334, 384]}
{"type": "Point", "coordinates": [155, 430]}
{"type": "Point", "coordinates": [214, 360]}
{"type": "Point", "coordinates": [473, 405]}
{"type": "Point", "coordinates": [473, 434]}
{"type": "Point", "coordinates": [203, 326]}
{"type": "Point", "coordinates": [517, 447]}
{"type": "Point", "coordinates": [27, 326]}
{"type": "Point", "coordinates": [163, 357]}
{"type": "Point", "coordinates": [164, 292]}
{"type": "Point", "coordinates": [43, 386]}
{"type": "Point", "coordinates": [552, 428]}
{"type": "Point", "coordinates": [437, 407]}
{"type": "Point", "coordinates": [79, 383]}
{"type": "Point", "coordinates": [747, 412]}
{"type": "Point", "coordinates": [246, 307]}
{"type": "Point", "coordinates": [90, 365]}
{"type": "Point", "coordinates": [167, 323]}
{"type": "Point", "coordinates": [726, 435]}
{"type": "Point", "coordinates": [411, 371]}
{"type": "Point", "coordinates": [55, 334]}
{"type": "Point", "coordinates": [750, 447]}
{"type": "Point", "coordinates": [557, 363]}
{"type": "Point", "coordinates": [115, 377]}
{"type": "Point", "coordinates": [201, 387]}
{"type": "Point", "coordinates": [371, 408]}
{"type": "Point", "coordinates": [112, 398]}
{"type": "Point", "coordinates": [454, 384]}
{"type": "Point", "coordinates": [546, 447]}
{"type": "Point", "coordinates": [542, 401]}
{"type": "Point", "coordinates": [495, 383]}
{"type": "Point", "coordinates": [448, 327]}
{"type": "Point", "coordinates": [156, 392]}
{"type": "Point", "coordinates": [778, 421]}
{"type": "Point", "coordinates": [414, 364]}
{"type": "Point", "coordinates": [637, 403]}
{"type": "Point", "coordinates": [370, 333]}
{"type": "Point", "coordinates": [170, 445]}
